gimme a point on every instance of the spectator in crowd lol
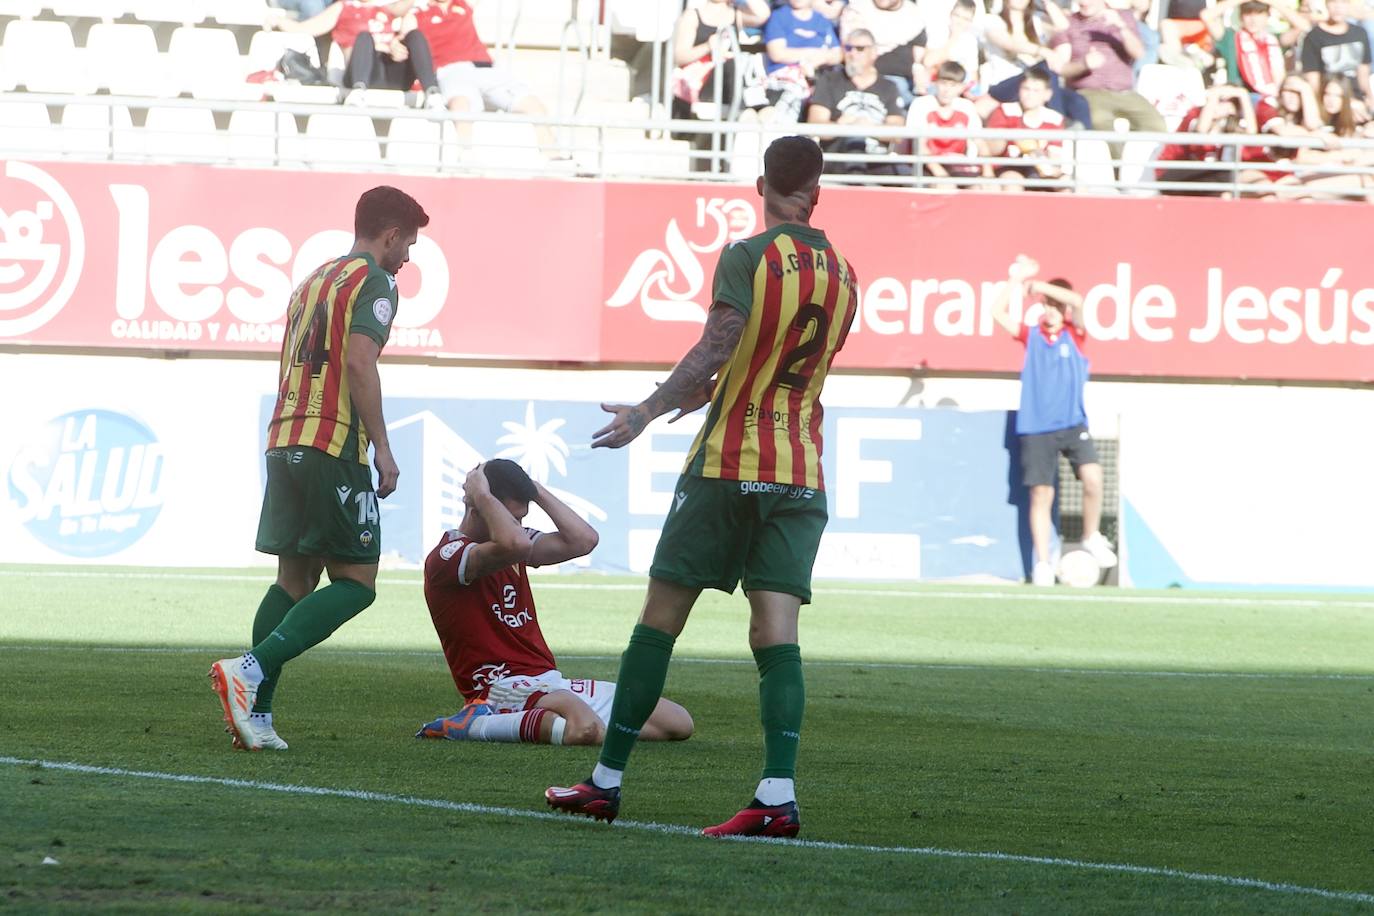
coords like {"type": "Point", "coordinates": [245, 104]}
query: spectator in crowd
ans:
{"type": "Point", "coordinates": [856, 94]}
{"type": "Point", "coordinates": [798, 42]}
{"type": "Point", "coordinates": [468, 80]}
{"type": "Point", "coordinates": [948, 109]}
{"type": "Point", "coordinates": [1294, 113]}
{"type": "Point", "coordinates": [960, 44]}
{"type": "Point", "coordinates": [379, 53]}
{"type": "Point", "coordinates": [1051, 420]}
{"type": "Point", "coordinates": [830, 9]}
{"type": "Point", "coordinates": [1149, 36]}
{"type": "Point", "coordinates": [1035, 159]}
{"type": "Point", "coordinates": [1018, 38]}
{"type": "Point", "coordinates": [1184, 40]}
{"type": "Point", "coordinates": [1226, 110]}
{"type": "Point", "coordinates": [1341, 115]}
{"type": "Point", "coordinates": [307, 9]}
{"type": "Point", "coordinates": [1253, 53]}
{"type": "Point", "coordinates": [701, 41]}
{"type": "Point", "coordinates": [1335, 47]}
{"type": "Point", "coordinates": [1103, 43]}
{"type": "Point", "coordinates": [897, 28]}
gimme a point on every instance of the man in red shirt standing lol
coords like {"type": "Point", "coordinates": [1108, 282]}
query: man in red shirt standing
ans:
{"type": "Point", "coordinates": [467, 77]}
{"type": "Point", "coordinates": [479, 598]}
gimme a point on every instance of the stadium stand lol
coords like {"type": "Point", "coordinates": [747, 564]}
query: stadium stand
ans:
{"type": "Point", "coordinates": [199, 80]}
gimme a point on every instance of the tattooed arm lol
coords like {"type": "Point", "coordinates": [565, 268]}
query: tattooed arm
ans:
{"type": "Point", "coordinates": [683, 390]}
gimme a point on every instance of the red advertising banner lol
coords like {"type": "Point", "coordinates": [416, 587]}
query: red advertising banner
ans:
{"type": "Point", "coordinates": [204, 259]}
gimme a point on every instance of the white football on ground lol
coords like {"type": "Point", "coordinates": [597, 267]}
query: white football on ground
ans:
{"type": "Point", "coordinates": [1078, 568]}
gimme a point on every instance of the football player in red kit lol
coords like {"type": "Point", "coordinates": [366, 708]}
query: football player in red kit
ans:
{"type": "Point", "coordinates": [478, 592]}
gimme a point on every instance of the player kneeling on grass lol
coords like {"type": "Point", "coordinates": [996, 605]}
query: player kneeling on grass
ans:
{"type": "Point", "coordinates": [479, 598]}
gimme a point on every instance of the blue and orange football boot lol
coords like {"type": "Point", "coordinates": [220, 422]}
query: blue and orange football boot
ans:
{"type": "Point", "coordinates": [456, 726]}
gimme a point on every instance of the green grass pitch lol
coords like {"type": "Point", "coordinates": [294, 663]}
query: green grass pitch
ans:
{"type": "Point", "coordinates": [965, 749]}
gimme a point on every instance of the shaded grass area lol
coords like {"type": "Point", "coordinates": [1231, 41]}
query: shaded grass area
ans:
{"type": "Point", "coordinates": [1263, 777]}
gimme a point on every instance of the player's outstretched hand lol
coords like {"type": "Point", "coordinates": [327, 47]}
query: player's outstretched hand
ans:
{"type": "Point", "coordinates": [629, 422]}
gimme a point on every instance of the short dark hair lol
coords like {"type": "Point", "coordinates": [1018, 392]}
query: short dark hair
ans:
{"type": "Point", "coordinates": [952, 70]}
{"type": "Point", "coordinates": [385, 207]}
{"type": "Point", "coordinates": [1034, 75]}
{"type": "Point", "coordinates": [1254, 6]}
{"type": "Point", "coordinates": [508, 480]}
{"type": "Point", "coordinates": [791, 164]}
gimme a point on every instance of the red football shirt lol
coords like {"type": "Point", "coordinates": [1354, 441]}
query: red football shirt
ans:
{"type": "Point", "coordinates": [358, 16]}
{"type": "Point", "coordinates": [488, 628]}
{"type": "Point", "coordinates": [451, 34]}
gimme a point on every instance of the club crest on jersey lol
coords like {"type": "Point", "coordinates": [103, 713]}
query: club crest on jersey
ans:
{"type": "Point", "coordinates": [448, 550]}
{"type": "Point", "coordinates": [382, 310]}
{"type": "Point", "coordinates": [365, 538]}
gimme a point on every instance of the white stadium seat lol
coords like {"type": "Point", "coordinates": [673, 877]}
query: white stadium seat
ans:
{"type": "Point", "coordinates": [41, 57]}
{"type": "Point", "coordinates": [26, 128]}
{"type": "Point", "coordinates": [504, 145]}
{"type": "Point", "coordinates": [86, 130]}
{"type": "Point", "coordinates": [257, 137]}
{"type": "Point", "coordinates": [107, 10]}
{"type": "Point", "coordinates": [414, 142]}
{"type": "Point", "coordinates": [21, 9]}
{"type": "Point", "coordinates": [124, 59]}
{"type": "Point", "coordinates": [183, 134]}
{"type": "Point", "coordinates": [265, 49]}
{"type": "Point", "coordinates": [183, 12]}
{"type": "Point", "coordinates": [1172, 90]}
{"type": "Point", "coordinates": [341, 139]}
{"type": "Point", "coordinates": [237, 12]}
{"type": "Point", "coordinates": [206, 63]}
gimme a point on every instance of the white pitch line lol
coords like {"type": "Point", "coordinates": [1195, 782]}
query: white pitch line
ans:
{"type": "Point", "coordinates": [224, 651]}
{"type": "Point", "coordinates": [1057, 596]}
{"type": "Point", "coordinates": [679, 830]}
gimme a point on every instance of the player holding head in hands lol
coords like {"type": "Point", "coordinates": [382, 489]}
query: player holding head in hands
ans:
{"type": "Point", "coordinates": [320, 510]}
{"type": "Point", "coordinates": [1051, 419]}
{"type": "Point", "coordinates": [750, 502]}
{"type": "Point", "coordinates": [479, 597]}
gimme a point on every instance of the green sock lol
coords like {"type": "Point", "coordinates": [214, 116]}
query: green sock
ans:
{"type": "Point", "coordinates": [275, 604]}
{"type": "Point", "coordinates": [311, 621]}
{"type": "Point", "coordinates": [782, 699]}
{"type": "Point", "coordinates": [643, 669]}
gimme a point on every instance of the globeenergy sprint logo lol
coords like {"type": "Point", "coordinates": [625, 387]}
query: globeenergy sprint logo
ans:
{"type": "Point", "coordinates": [88, 483]}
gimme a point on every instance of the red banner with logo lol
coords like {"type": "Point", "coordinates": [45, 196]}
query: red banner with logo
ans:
{"type": "Point", "coordinates": [203, 259]}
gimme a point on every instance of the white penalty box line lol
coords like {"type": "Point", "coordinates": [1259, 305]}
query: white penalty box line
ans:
{"type": "Point", "coordinates": [679, 830]}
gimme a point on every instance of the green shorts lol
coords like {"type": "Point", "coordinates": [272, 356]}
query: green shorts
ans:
{"type": "Point", "coordinates": [319, 506]}
{"type": "Point", "coordinates": [721, 532]}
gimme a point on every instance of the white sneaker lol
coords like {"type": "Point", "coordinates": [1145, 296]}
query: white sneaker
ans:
{"type": "Point", "coordinates": [1042, 574]}
{"type": "Point", "coordinates": [237, 692]}
{"type": "Point", "coordinates": [435, 101]}
{"type": "Point", "coordinates": [267, 735]}
{"type": "Point", "coordinates": [1101, 550]}
{"type": "Point", "coordinates": [356, 97]}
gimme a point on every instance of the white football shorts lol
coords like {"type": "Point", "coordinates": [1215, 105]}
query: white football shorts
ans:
{"type": "Point", "coordinates": [596, 694]}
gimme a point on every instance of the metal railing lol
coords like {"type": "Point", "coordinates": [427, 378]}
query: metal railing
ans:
{"type": "Point", "coordinates": [730, 151]}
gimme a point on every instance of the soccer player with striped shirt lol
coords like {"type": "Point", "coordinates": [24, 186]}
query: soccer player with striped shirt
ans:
{"type": "Point", "coordinates": [750, 503]}
{"type": "Point", "coordinates": [320, 509]}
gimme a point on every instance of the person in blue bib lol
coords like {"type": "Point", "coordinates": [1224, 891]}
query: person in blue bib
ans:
{"type": "Point", "coordinates": [1051, 420]}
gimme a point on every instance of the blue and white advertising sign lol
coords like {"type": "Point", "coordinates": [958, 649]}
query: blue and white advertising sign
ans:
{"type": "Point", "coordinates": [912, 493]}
{"type": "Point", "coordinates": [88, 483]}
